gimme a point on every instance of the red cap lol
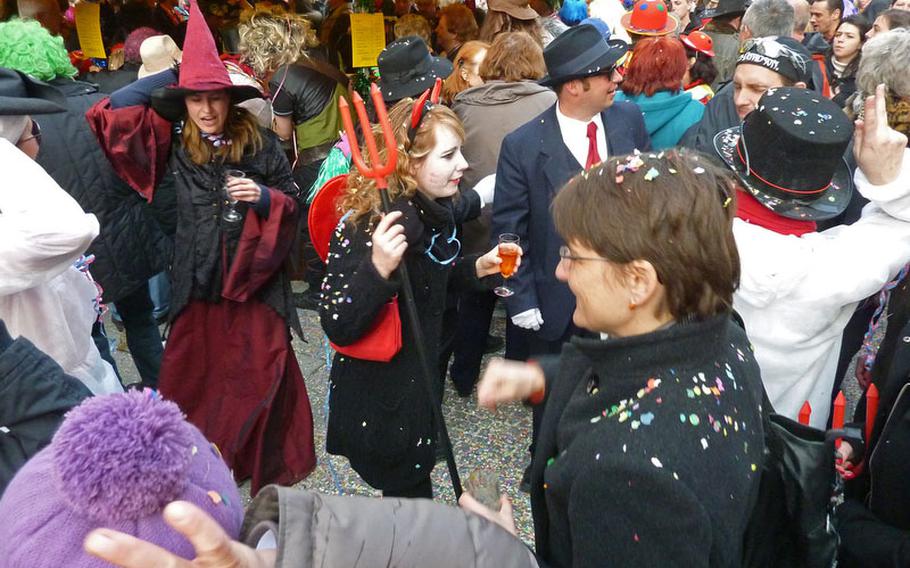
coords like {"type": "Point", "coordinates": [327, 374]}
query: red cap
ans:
{"type": "Point", "coordinates": [700, 42]}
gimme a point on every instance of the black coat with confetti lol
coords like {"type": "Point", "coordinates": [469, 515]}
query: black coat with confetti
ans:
{"type": "Point", "coordinates": [380, 415]}
{"type": "Point", "coordinates": [650, 449]}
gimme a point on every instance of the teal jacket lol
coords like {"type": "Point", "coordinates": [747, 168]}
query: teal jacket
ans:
{"type": "Point", "coordinates": [667, 115]}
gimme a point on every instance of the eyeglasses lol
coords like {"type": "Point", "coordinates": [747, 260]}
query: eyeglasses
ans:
{"type": "Point", "coordinates": [566, 254]}
{"type": "Point", "coordinates": [35, 134]}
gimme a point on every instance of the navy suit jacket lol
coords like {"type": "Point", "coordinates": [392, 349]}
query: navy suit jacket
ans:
{"type": "Point", "coordinates": [534, 164]}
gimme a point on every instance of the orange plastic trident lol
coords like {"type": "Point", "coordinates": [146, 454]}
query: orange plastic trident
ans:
{"type": "Point", "coordinates": [376, 170]}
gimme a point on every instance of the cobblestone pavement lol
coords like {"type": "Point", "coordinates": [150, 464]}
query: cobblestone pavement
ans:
{"type": "Point", "coordinates": [481, 439]}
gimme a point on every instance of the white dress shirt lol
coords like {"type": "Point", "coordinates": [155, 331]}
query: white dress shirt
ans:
{"type": "Point", "coordinates": [575, 136]}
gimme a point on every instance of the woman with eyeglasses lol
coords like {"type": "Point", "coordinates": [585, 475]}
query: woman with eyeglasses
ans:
{"type": "Point", "coordinates": [650, 448]}
{"type": "Point", "coordinates": [380, 414]}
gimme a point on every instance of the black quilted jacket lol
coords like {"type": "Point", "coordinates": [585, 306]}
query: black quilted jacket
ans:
{"type": "Point", "coordinates": [132, 246]}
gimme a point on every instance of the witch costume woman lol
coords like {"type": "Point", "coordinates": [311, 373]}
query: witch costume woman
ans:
{"type": "Point", "coordinates": [228, 362]}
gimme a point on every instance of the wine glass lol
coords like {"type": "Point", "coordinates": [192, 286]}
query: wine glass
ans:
{"type": "Point", "coordinates": [231, 215]}
{"type": "Point", "coordinates": [508, 252]}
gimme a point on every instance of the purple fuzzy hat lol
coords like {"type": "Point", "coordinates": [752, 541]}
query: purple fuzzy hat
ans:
{"type": "Point", "coordinates": [115, 462]}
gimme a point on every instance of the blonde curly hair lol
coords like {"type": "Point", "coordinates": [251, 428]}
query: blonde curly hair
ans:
{"type": "Point", "coordinates": [361, 196]}
{"type": "Point", "coordinates": [270, 39]}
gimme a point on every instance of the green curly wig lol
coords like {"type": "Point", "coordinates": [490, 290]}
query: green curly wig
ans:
{"type": "Point", "coordinates": [26, 46]}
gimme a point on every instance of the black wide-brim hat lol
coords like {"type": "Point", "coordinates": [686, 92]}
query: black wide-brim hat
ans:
{"type": "Point", "coordinates": [21, 95]}
{"type": "Point", "coordinates": [831, 203]}
{"type": "Point", "coordinates": [580, 52]}
{"type": "Point", "coordinates": [406, 68]}
{"type": "Point", "coordinates": [170, 103]}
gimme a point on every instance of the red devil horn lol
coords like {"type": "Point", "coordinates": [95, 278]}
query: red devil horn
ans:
{"type": "Point", "coordinates": [417, 112]}
{"type": "Point", "coordinates": [437, 89]}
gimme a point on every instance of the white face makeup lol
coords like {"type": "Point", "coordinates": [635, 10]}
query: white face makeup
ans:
{"type": "Point", "coordinates": [440, 171]}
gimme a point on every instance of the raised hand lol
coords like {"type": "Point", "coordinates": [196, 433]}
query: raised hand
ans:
{"type": "Point", "coordinates": [878, 148]}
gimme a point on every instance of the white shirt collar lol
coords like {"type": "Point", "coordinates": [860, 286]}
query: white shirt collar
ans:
{"type": "Point", "coordinates": [575, 135]}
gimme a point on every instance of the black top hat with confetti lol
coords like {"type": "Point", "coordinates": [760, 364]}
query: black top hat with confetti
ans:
{"type": "Point", "coordinates": [789, 154]}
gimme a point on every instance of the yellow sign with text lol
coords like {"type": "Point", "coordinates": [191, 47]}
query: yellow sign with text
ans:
{"type": "Point", "coordinates": [88, 27]}
{"type": "Point", "coordinates": [367, 38]}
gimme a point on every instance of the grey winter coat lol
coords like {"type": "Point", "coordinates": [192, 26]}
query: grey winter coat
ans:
{"type": "Point", "coordinates": [314, 530]}
{"type": "Point", "coordinates": [489, 112]}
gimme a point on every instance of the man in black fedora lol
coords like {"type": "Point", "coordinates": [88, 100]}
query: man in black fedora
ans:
{"type": "Point", "coordinates": [584, 127]}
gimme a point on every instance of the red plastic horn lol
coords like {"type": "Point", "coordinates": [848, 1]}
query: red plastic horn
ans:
{"type": "Point", "coordinates": [805, 413]}
{"type": "Point", "coordinates": [837, 421]}
{"type": "Point", "coordinates": [377, 170]}
{"type": "Point", "coordinates": [417, 111]}
{"type": "Point", "coordinates": [437, 89]}
{"type": "Point", "coordinates": [871, 411]}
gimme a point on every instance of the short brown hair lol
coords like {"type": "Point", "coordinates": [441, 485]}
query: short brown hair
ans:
{"type": "Point", "coordinates": [512, 57]}
{"type": "Point", "coordinates": [460, 21]}
{"type": "Point", "coordinates": [675, 211]}
{"type": "Point", "coordinates": [657, 64]}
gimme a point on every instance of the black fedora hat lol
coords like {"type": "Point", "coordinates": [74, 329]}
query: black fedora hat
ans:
{"type": "Point", "coordinates": [21, 95]}
{"type": "Point", "coordinates": [789, 154]}
{"type": "Point", "coordinates": [407, 69]}
{"type": "Point", "coordinates": [580, 52]}
{"type": "Point", "coordinates": [725, 7]}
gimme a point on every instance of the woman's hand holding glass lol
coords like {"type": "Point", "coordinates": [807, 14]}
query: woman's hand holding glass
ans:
{"type": "Point", "coordinates": [492, 262]}
{"type": "Point", "coordinates": [389, 244]}
{"type": "Point", "coordinates": [243, 189]}
{"type": "Point", "coordinates": [507, 381]}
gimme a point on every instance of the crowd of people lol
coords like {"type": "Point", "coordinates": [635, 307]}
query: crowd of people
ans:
{"type": "Point", "coordinates": [694, 215]}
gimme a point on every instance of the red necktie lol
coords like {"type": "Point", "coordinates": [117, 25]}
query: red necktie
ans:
{"type": "Point", "coordinates": [593, 155]}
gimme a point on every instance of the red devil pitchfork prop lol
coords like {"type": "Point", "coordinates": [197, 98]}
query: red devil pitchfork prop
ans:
{"type": "Point", "coordinates": [379, 172]}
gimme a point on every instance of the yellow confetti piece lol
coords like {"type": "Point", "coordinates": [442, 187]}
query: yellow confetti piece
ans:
{"type": "Point", "coordinates": [215, 497]}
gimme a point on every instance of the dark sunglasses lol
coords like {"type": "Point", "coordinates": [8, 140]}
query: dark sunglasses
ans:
{"type": "Point", "coordinates": [35, 133]}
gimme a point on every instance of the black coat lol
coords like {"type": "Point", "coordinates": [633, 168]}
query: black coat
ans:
{"type": "Point", "coordinates": [650, 449]}
{"type": "Point", "coordinates": [197, 270]}
{"type": "Point", "coordinates": [381, 417]}
{"type": "Point", "coordinates": [874, 521]}
{"type": "Point", "coordinates": [131, 247]}
{"type": "Point", "coordinates": [35, 393]}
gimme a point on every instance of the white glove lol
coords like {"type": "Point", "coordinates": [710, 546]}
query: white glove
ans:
{"type": "Point", "coordinates": [528, 319]}
{"type": "Point", "coordinates": [485, 189]}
